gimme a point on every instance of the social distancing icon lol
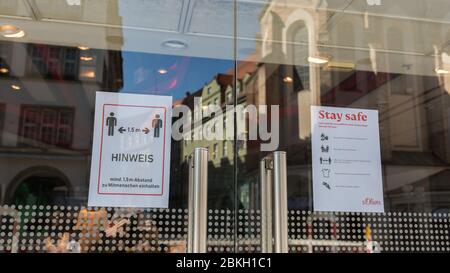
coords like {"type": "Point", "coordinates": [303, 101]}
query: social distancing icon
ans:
{"type": "Point", "coordinates": [111, 123]}
{"type": "Point", "coordinates": [137, 172]}
{"type": "Point", "coordinates": [157, 125]}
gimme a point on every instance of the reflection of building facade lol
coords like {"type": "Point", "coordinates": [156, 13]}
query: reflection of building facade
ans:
{"type": "Point", "coordinates": [48, 96]}
{"type": "Point", "coordinates": [413, 125]}
{"type": "Point", "coordinates": [411, 100]}
{"type": "Point", "coordinates": [216, 133]}
{"type": "Point", "coordinates": [218, 93]}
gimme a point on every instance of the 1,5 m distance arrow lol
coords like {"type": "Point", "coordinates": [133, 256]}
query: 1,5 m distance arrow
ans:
{"type": "Point", "coordinates": [123, 130]}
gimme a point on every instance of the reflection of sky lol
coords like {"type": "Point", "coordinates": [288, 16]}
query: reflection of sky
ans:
{"type": "Point", "coordinates": [140, 70]}
{"type": "Point", "coordinates": [184, 74]}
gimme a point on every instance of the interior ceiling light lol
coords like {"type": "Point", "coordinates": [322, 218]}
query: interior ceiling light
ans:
{"type": "Point", "coordinates": [73, 2]}
{"type": "Point", "coordinates": [10, 31]}
{"type": "Point", "coordinates": [441, 71]}
{"type": "Point", "coordinates": [86, 59]}
{"type": "Point", "coordinates": [175, 44]}
{"type": "Point", "coordinates": [83, 48]}
{"type": "Point", "coordinates": [162, 71]}
{"type": "Point", "coordinates": [15, 87]}
{"type": "Point", "coordinates": [318, 59]}
{"type": "Point", "coordinates": [288, 79]}
{"type": "Point", "coordinates": [4, 70]}
{"type": "Point", "coordinates": [88, 74]}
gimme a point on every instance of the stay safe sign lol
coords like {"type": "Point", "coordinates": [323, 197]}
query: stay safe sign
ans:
{"type": "Point", "coordinates": [346, 160]}
{"type": "Point", "coordinates": [131, 151]}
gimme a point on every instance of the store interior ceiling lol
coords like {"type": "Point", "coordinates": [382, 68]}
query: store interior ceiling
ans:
{"type": "Point", "coordinates": [349, 31]}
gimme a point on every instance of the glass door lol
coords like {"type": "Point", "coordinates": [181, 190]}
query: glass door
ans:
{"type": "Point", "coordinates": [384, 57]}
{"type": "Point", "coordinates": [54, 57]}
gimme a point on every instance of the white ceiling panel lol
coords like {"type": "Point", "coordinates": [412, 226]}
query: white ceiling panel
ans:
{"type": "Point", "coordinates": [206, 26]}
{"type": "Point", "coordinates": [214, 17]}
{"type": "Point", "coordinates": [428, 10]}
{"type": "Point", "coordinates": [14, 8]}
{"type": "Point", "coordinates": [154, 14]}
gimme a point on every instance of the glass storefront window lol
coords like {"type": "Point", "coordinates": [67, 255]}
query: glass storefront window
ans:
{"type": "Point", "coordinates": [248, 71]}
{"type": "Point", "coordinates": [383, 55]}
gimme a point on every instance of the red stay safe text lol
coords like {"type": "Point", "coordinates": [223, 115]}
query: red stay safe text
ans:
{"type": "Point", "coordinates": [360, 116]}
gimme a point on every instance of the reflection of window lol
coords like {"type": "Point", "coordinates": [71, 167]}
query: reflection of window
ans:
{"type": "Point", "coordinates": [50, 125]}
{"type": "Point", "coordinates": [216, 101]}
{"type": "Point", "coordinates": [225, 148]}
{"type": "Point", "coordinates": [229, 97]}
{"type": "Point", "coordinates": [209, 90]}
{"type": "Point", "coordinates": [53, 62]}
{"type": "Point", "coordinates": [215, 151]}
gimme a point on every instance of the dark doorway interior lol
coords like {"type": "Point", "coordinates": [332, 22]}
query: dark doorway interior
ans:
{"type": "Point", "coordinates": [41, 191]}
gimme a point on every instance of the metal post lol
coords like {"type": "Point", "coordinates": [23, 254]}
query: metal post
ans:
{"type": "Point", "coordinates": [266, 204]}
{"type": "Point", "coordinates": [198, 201]}
{"type": "Point", "coordinates": [190, 205]}
{"type": "Point", "coordinates": [280, 202]}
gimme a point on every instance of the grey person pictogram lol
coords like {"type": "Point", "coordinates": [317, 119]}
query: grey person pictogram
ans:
{"type": "Point", "coordinates": [111, 122]}
{"type": "Point", "coordinates": [157, 124]}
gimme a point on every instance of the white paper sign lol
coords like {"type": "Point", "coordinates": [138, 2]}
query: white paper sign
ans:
{"type": "Point", "coordinates": [346, 160]}
{"type": "Point", "coordinates": [131, 151]}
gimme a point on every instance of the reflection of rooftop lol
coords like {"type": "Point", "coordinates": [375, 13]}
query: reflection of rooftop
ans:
{"type": "Point", "coordinates": [243, 68]}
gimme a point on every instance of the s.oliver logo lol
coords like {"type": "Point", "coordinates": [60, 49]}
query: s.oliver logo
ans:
{"type": "Point", "coordinates": [370, 202]}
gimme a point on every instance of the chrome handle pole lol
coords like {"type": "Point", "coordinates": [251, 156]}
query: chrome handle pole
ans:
{"type": "Point", "coordinates": [263, 185]}
{"type": "Point", "coordinates": [280, 202]}
{"type": "Point", "coordinates": [266, 205]}
{"type": "Point", "coordinates": [201, 172]}
{"type": "Point", "coordinates": [198, 201]}
{"type": "Point", "coordinates": [190, 232]}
